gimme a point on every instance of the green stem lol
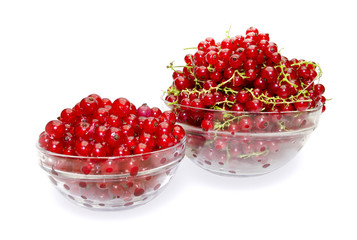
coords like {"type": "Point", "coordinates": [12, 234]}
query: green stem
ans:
{"type": "Point", "coordinates": [253, 154]}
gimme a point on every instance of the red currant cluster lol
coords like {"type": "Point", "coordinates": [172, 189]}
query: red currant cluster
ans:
{"type": "Point", "coordinates": [138, 148]}
{"type": "Point", "coordinates": [245, 73]}
{"type": "Point", "coordinates": [97, 127]}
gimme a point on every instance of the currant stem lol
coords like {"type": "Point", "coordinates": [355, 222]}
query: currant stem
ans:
{"type": "Point", "coordinates": [222, 126]}
{"type": "Point", "coordinates": [254, 154]}
{"type": "Point", "coordinates": [228, 31]}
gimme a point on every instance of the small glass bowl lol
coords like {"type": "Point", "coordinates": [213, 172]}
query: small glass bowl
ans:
{"type": "Point", "coordinates": [112, 183]}
{"type": "Point", "coordinates": [260, 142]}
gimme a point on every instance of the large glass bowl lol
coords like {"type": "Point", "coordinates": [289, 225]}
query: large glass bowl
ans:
{"type": "Point", "coordinates": [112, 183]}
{"type": "Point", "coordinates": [258, 144]}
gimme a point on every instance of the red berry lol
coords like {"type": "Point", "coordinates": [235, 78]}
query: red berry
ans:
{"type": "Point", "coordinates": [197, 103]}
{"type": "Point", "coordinates": [209, 99]}
{"type": "Point", "coordinates": [220, 144]}
{"type": "Point", "coordinates": [319, 89]}
{"type": "Point", "coordinates": [245, 124]}
{"type": "Point", "coordinates": [88, 105]}
{"type": "Point", "coordinates": [82, 130]}
{"type": "Point", "coordinates": [121, 107]}
{"type": "Point", "coordinates": [238, 81]}
{"type": "Point", "coordinates": [237, 107]}
{"type": "Point", "coordinates": [247, 42]}
{"type": "Point", "coordinates": [209, 85]}
{"type": "Point", "coordinates": [44, 140]}
{"type": "Point", "coordinates": [130, 142]}
{"type": "Point", "coordinates": [100, 134]}
{"type": "Point", "coordinates": [69, 150]}
{"type": "Point", "coordinates": [83, 148]}
{"type": "Point", "coordinates": [260, 83]}
{"type": "Point", "coordinates": [163, 128]}
{"type": "Point", "coordinates": [178, 132]}
{"type": "Point", "coordinates": [252, 52]}
{"type": "Point", "coordinates": [114, 137]}
{"type": "Point", "coordinates": [182, 83]}
{"type": "Point", "coordinates": [55, 146]}
{"type": "Point", "coordinates": [141, 148]}
{"type": "Point", "coordinates": [227, 43]}
{"type": "Point", "coordinates": [68, 139]}
{"type": "Point", "coordinates": [87, 167]}
{"type": "Point", "coordinates": [243, 96]}
{"type": "Point", "coordinates": [211, 57]}
{"type": "Point", "coordinates": [150, 125]}
{"type": "Point", "coordinates": [283, 91]}
{"type": "Point", "coordinates": [275, 57]}
{"type": "Point", "coordinates": [131, 120]}
{"type": "Point", "coordinates": [233, 128]}
{"type": "Point", "coordinates": [101, 114]}
{"type": "Point", "coordinates": [223, 56]}
{"type": "Point", "coordinates": [165, 141]}
{"type": "Point", "coordinates": [270, 49]}
{"type": "Point", "coordinates": [202, 73]}
{"type": "Point", "coordinates": [251, 74]}
{"type": "Point", "coordinates": [55, 129]}
{"type": "Point", "coordinates": [121, 151]}
{"type": "Point", "coordinates": [106, 102]}
{"type": "Point", "coordinates": [263, 36]}
{"type": "Point", "coordinates": [144, 110]}
{"type": "Point", "coordinates": [199, 58]}
{"type": "Point", "coordinates": [114, 121]}
{"type": "Point", "coordinates": [210, 41]}
{"type": "Point", "coordinates": [302, 104]}
{"type": "Point", "coordinates": [203, 45]}
{"type": "Point", "coordinates": [287, 107]}
{"type": "Point", "coordinates": [269, 73]}
{"type": "Point", "coordinates": [249, 64]}
{"type": "Point", "coordinates": [98, 150]}
{"type": "Point", "coordinates": [68, 115]}
{"type": "Point", "coordinates": [207, 124]}
{"type": "Point", "coordinates": [252, 30]}
{"type": "Point", "coordinates": [98, 99]}
{"type": "Point", "coordinates": [304, 72]}
{"type": "Point", "coordinates": [188, 60]}
{"type": "Point", "coordinates": [254, 105]}
{"type": "Point", "coordinates": [148, 139]}
{"type": "Point", "coordinates": [110, 166]}
{"type": "Point", "coordinates": [156, 112]}
{"type": "Point", "coordinates": [215, 75]}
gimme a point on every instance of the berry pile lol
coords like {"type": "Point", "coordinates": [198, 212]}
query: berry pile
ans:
{"type": "Point", "coordinates": [244, 74]}
{"type": "Point", "coordinates": [97, 127]}
{"type": "Point", "coordinates": [255, 106]}
{"type": "Point", "coordinates": [127, 154]}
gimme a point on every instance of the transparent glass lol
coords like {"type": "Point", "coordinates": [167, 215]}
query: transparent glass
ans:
{"type": "Point", "coordinates": [255, 144]}
{"type": "Point", "coordinates": [112, 183]}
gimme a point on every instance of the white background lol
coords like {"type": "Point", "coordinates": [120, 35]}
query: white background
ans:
{"type": "Point", "coordinates": [54, 53]}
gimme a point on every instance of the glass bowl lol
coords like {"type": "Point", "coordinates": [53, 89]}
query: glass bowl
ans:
{"type": "Point", "coordinates": [112, 183]}
{"type": "Point", "coordinates": [255, 144]}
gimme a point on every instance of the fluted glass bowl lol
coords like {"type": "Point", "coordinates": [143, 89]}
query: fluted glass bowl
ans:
{"type": "Point", "coordinates": [258, 143]}
{"type": "Point", "coordinates": [112, 183]}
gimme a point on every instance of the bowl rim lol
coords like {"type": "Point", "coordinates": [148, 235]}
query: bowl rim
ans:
{"type": "Point", "coordinates": [59, 173]}
{"type": "Point", "coordinates": [168, 104]}
{"type": "Point", "coordinates": [72, 175]}
{"type": "Point", "coordinates": [290, 133]}
{"type": "Point", "coordinates": [39, 148]}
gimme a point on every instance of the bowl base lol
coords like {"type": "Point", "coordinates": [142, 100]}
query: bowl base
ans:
{"type": "Point", "coordinates": [113, 205]}
{"type": "Point", "coordinates": [226, 173]}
